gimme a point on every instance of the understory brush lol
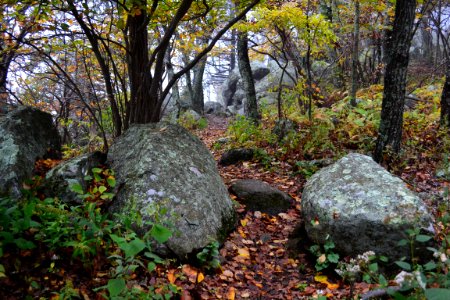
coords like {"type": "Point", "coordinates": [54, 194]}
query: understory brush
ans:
{"type": "Point", "coordinates": [333, 131]}
{"type": "Point", "coordinates": [43, 239]}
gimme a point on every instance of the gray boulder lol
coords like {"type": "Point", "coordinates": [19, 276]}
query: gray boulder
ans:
{"type": "Point", "coordinates": [233, 156]}
{"type": "Point", "coordinates": [233, 91]}
{"type": "Point", "coordinates": [59, 179]}
{"type": "Point", "coordinates": [362, 207]}
{"type": "Point", "coordinates": [443, 172]}
{"type": "Point", "coordinates": [164, 166]}
{"type": "Point", "coordinates": [26, 134]}
{"type": "Point", "coordinates": [212, 107]}
{"type": "Point", "coordinates": [229, 87]}
{"type": "Point", "coordinates": [258, 195]}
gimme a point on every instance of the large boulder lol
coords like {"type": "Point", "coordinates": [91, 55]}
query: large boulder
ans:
{"type": "Point", "coordinates": [214, 108]}
{"type": "Point", "coordinates": [233, 93]}
{"type": "Point", "coordinates": [164, 166]}
{"type": "Point", "coordinates": [361, 207]}
{"type": "Point", "coordinates": [258, 195]}
{"type": "Point", "coordinates": [233, 156]}
{"type": "Point", "coordinates": [73, 171]}
{"type": "Point", "coordinates": [26, 134]}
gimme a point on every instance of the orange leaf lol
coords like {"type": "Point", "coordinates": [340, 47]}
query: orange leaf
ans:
{"type": "Point", "coordinates": [200, 277]}
{"type": "Point", "coordinates": [190, 272]}
{"type": "Point", "coordinates": [244, 252]}
{"type": "Point", "coordinates": [171, 275]}
{"type": "Point", "coordinates": [231, 293]}
{"type": "Point", "coordinates": [324, 279]}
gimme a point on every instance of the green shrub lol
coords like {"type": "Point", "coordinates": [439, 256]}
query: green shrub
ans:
{"type": "Point", "coordinates": [190, 122]}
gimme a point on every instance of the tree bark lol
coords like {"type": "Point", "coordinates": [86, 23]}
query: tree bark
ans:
{"type": "Point", "coordinates": [445, 98]}
{"type": "Point", "coordinates": [138, 64]}
{"type": "Point", "coordinates": [355, 56]}
{"type": "Point", "coordinates": [198, 101]}
{"type": "Point", "coordinates": [397, 56]}
{"type": "Point", "coordinates": [251, 105]}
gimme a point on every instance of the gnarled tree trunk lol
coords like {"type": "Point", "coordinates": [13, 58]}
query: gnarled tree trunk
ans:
{"type": "Point", "coordinates": [397, 57]}
{"type": "Point", "coordinates": [251, 105]}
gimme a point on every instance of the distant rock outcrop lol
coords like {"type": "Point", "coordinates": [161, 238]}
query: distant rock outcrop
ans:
{"type": "Point", "coordinates": [258, 195]}
{"type": "Point", "coordinates": [361, 207]}
{"type": "Point", "coordinates": [267, 79]}
{"type": "Point", "coordinates": [26, 134]}
{"type": "Point", "coordinates": [168, 168]}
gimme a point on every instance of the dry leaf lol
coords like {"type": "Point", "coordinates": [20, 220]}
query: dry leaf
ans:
{"type": "Point", "coordinates": [231, 293]}
{"type": "Point", "coordinates": [171, 275]}
{"type": "Point", "coordinates": [244, 252]}
{"type": "Point", "coordinates": [200, 277]}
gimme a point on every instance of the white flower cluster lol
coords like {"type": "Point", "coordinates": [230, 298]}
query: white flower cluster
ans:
{"type": "Point", "coordinates": [353, 267]}
{"type": "Point", "coordinates": [407, 278]}
{"type": "Point", "coordinates": [441, 255]}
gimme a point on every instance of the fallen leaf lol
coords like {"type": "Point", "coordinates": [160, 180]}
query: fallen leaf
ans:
{"type": "Point", "coordinates": [231, 293]}
{"type": "Point", "coordinates": [171, 275]}
{"type": "Point", "coordinates": [324, 279]}
{"type": "Point", "coordinates": [322, 258]}
{"type": "Point", "coordinates": [244, 222]}
{"type": "Point", "coordinates": [244, 252]}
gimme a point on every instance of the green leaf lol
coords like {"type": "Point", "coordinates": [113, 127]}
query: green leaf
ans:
{"type": "Point", "coordinates": [132, 248]}
{"type": "Point", "coordinates": [404, 265]}
{"type": "Point", "coordinates": [160, 233]}
{"type": "Point", "coordinates": [120, 23]}
{"type": "Point", "coordinates": [155, 257]}
{"type": "Point", "coordinates": [151, 266]}
{"type": "Point", "coordinates": [2, 271]}
{"type": "Point", "coordinates": [423, 238]}
{"type": "Point", "coordinates": [64, 27]}
{"type": "Point", "coordinates": [102, 189]}
{"type": "Point", "coordinates": [382, 280]}
{"type": "Point", "coordinates": [77, 188]}
{"type": "Point", "coordinates": [119, 240]}
{"type": "Point", "coordinates": [111, 181]}
{"type": "Point", "coordinates": [384, 259]}
{"type": "Point", "coordinates": [431, 265]}
{"type": "Point", "coordinates": [437, 294]}
{"type": "Point", "coordinates": [96, 170]}
{"type": "Point", "coordinates": [402, 242]}
{"type": "Point", "coordinates": [333, 257]}
{"type": "Point", "coordinates": [373, 267]}
{"type": "Point", "coordinates": [115, 286]}
{"type": "Point", "coordinates": [87, 177]}
{"type": "Point", "coordinates": [24, 244]}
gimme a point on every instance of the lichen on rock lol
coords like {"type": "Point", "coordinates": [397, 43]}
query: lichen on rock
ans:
{"type": "Point", "coordinates": [362, 207]}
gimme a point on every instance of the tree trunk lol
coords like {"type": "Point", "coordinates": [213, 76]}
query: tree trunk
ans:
{"type": "Point", "coordinates": [197, 87]}
{"type": "Point", "coordinates": [427, 40]}
{"type": "Point", "coordinates": [445, 98]}
{"type": "Point", "coordinates": [138, 65]}
{"type": "Point", "coordinates": [397, 56]}
{"type": "Point", "coordinates": [355, 56]}
{"type": "Point", "coordinates": [251, 105]}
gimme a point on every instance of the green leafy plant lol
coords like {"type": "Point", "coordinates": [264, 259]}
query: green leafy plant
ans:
{"type": "Point", "coordinates": [209, 256]}
{"type": "Point", "coordinates": [245, 132]}
{"type": "Point", "coordinates": [189, 121]}
{"type": "Point", "coordinates": [325, 254]}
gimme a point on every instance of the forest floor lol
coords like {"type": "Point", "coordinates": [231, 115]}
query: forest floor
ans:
{"type": "Point", "coordinates": [257, 261]}
{"type": "Point", "coordinates": [269, 269]}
